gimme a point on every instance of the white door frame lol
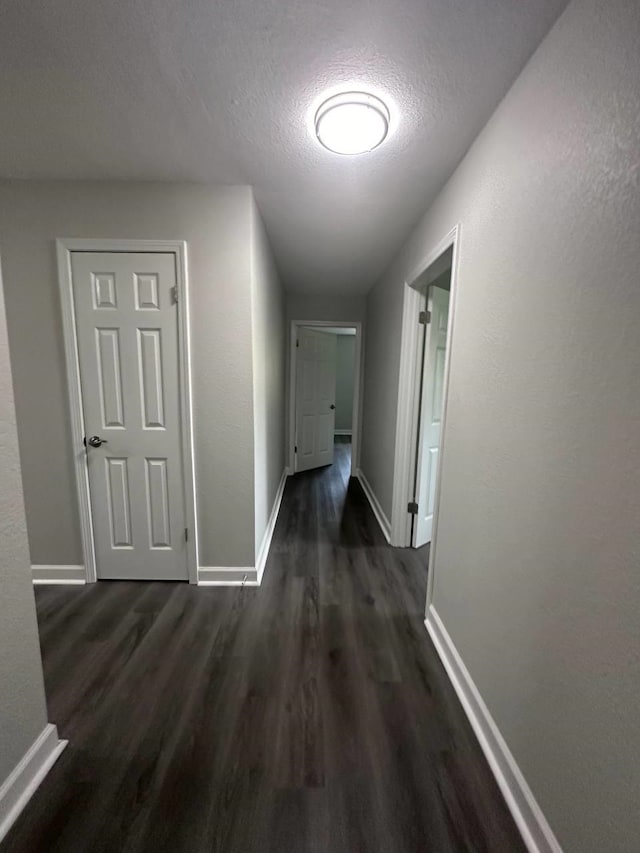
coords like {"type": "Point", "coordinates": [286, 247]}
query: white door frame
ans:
{"type": "Point", "coordinates": [357, 385]}
{"type": "Point", "coordinates": [178, 248]}
{"type": "Point", "coordinates": [409, 399]}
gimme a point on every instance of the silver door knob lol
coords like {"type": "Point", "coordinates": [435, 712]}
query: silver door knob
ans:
{"type": "Point", "coordinates": [95, 441]}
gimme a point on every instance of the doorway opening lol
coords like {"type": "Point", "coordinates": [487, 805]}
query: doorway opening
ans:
{"type": "Point", "coordinates": [422, 397]}
{"type": "Point", "coordinates": [324, 394]}
{"type": "Point", "coordinates": [434, 318]}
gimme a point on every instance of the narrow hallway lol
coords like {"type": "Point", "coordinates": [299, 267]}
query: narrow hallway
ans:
{"type": "Point", "coordinates": [311, 714]}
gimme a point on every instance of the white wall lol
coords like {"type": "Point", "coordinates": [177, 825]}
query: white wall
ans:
{"type": "Point", "coordinates": [216, 223]}
{"type": "Point", "coordinates": [330, 307]}
{"type": "Point", "coordinates": [23, 713]}
{"type": "Point", "coordinates": [536, 572]}
{"type": "Point", "coordinates": [345, 378]}
{"type": "Point", "coordinates": [269, 382]}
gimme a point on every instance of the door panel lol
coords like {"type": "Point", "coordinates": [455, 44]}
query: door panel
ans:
{"type": "Point", "coordinates": [147, 288]}
{"type": "Point", "coordinates": [127, 332]}
{"type": "Point", "coordinates": [104, 290]}
{"type": "Point", "coordinates": [110, 377]}
{"type": "Point", "coordinates": [158, 503]}
{"type": "Point", "coordinates": [431, 405]}
{"type": "Point", "coordinates": [118, 502]}
{"type": "Point", "coordinates": [315, 397]}
{"type": "Point", "coordinates": [326, 433]}
{"type": "Point", "coordinates": [150, 372]}
{"type": "Point", "coordinates": [307, 444]}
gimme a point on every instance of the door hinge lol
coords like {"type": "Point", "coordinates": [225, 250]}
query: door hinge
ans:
{"type": "Point", "coordinates": [295, 449]}
{"type": "Point", "coordinates": [297, 344]}
{"type": "Point", "coordinates": [174, 295]}
{"type": "Point", "coordinates": [186, 534]}
{"type": "Point", "coordinates": [424, 318]}
{"type": "Point", "coordinates": [412, 508]}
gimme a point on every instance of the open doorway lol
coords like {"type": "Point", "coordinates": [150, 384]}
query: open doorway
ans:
{"type": "Point", "coordinates": [430, 393]}
{"type": "Point", "coordinates": [426, 341]}
{"type": "Point", "coordinates": [324, 395]}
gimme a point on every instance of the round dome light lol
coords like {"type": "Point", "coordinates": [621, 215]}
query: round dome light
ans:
{"type": "Point", "coordinates": [352, 123]}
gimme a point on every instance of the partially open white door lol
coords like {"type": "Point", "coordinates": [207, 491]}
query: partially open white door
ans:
{"type": "Point", "coordinates": [127, 337]}
{"type": "Point", "coordinates": [430, 414]}
{"type": "Point", "coordinates": [315, 398]}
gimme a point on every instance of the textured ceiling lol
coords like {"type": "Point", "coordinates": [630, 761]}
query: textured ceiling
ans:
{"type": "Point", "coordinates": [223, 92]}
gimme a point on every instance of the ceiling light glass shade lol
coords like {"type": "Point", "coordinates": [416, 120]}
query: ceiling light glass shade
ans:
{"type": "Point", "coordinates": [352, 123]}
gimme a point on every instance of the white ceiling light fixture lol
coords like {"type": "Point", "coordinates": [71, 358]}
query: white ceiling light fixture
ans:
{"type": "Point", "coordinates": [352, 123]}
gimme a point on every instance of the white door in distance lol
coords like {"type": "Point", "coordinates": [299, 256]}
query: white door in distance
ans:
{"type": "Point", "coordinates": [315, 398]}
{"type": "Point", "coordinates": [127, 333]}
{"type": "Point", "coordinates": [431, 414]}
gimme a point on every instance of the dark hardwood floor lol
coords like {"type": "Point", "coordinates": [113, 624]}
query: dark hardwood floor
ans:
{"type": "Point", "coordinates": [311, 714]}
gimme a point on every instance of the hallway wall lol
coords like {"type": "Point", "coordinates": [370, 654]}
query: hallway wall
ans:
{"type": "Point", "coordinates": [23, 713]}
{"type": "Point", "coordinates": [269, 375]}
{"type": "Point", "coordinates": [536, 572]}
{"type": "Point", "coordinates": [216, 223]}
{"type": "Point", "coordinates": [332, 307]}
{"type": "Point", "coordinates": [345, 377]}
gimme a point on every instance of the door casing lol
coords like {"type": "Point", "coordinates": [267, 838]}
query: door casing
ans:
{"type": "Point", "coordinates": [357, 385]}
{"type": "Point", "coordinates": [64, 248]}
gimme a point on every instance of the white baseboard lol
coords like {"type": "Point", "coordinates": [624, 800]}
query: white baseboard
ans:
{"type": "Point", "coordinates": [207, 575]}
{"type": "Point", "coordinates": [263, 553]}
{"type": "Point", "coordinates": [227, 576]}
{"type": "Point", "coordinates": [343, 432]}
{"type": "Point", "coordinates": [382, 519]}
{"type": "Point", "coordinates": [536, 832]}
{"type": "Point", "coordinates": [246, 575]}
{"type": "Point", "coordinates": [23, 782]}
{"type": "Point", "coordinates": [58, 574]}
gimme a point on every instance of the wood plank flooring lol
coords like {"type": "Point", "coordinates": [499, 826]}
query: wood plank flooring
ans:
{"type": "Point", "coordinates": [311, 715]}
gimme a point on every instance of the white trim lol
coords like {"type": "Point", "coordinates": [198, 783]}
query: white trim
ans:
{"type": "Point", "coordinates": [227, 576]}
{"type": "Point", "coordinates": [343, 432]}
{"type": "Point", "coordinates": [409, 392]}
{"type": "Point", "coordinates": [58, 574]}
{"type": "Point", "coordinates": [358, 369]}
{"type": "Point", "coordinates": [247, 575]}
{"type": "Point", "coordinates": [23, 781]}
{"type": "Point", "coordinates": [186, 409]}
{"type": "Point", "coordinates": [178, 248]}
{"type": "Point", "coordinates": [454, 236]}
{"type": "Point", "coordinates": [534, 828]}
{"type": "Point", "coordinates": [75, 406]}
{"type": "Point", "coordinates": [379, 513]}
{"type": "Point", "coordinates": [263, 553]}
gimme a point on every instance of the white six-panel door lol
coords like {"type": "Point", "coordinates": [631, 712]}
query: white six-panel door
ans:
{"type": "Point", "coordinates": [315, 398]}
{"type": "Point", "coordinates": [431, 414]}
{"type": "Point", "coordinates": [127, 337]}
